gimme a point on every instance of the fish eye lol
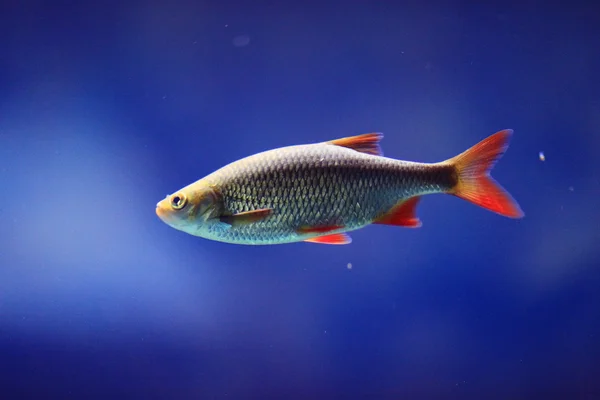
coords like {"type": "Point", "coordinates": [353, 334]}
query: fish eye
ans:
{"type": "Point", "coordinates": [178, 201]}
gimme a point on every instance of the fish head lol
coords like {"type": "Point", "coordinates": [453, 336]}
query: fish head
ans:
{"type": "Point", "coordinates": [192, 209]}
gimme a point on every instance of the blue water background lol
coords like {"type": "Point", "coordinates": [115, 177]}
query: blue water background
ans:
{"type": "Point", "coordinates": [106, 107]}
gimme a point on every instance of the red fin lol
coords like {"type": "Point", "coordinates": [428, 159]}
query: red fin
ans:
{"type": "Point", "coordinates": [336, 238]}
{"type": "Point", "coordinates": [319, 229]}
{"type": "Point", "coordinates": [367, 143]}
{"type": "Point", "coordinates": [402, 214]}
{"type": "Point", "coordinates": [246, 217]}
{"type": "Point", "coordinates": [474, 182]}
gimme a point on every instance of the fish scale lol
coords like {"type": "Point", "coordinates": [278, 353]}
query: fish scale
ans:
{"type": "Point", "coordinates": [315, 185]}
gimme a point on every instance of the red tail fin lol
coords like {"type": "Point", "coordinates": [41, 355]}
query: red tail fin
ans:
{"type": "Point", "coordinates": [474, 182]}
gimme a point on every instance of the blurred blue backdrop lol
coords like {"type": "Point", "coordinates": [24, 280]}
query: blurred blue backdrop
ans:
{"type": "Point", "coordinates": [106, 107]}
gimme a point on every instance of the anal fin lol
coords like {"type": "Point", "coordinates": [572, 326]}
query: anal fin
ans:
{"type": "Point", "coordinates": [402, 214]}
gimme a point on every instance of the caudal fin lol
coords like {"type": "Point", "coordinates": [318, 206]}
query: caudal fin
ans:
{"type": "Point", "coordinates": [474, 182]}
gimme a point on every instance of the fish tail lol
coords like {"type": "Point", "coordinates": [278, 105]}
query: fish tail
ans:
{"type": "Point", "coordinates": [473, 181]}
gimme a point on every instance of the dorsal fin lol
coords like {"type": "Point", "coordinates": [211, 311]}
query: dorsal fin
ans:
{"type": "Point", "coordinates": [367, 143]}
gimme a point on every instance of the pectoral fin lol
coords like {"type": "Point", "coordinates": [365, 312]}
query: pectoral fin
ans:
{"type": "Point", "coordinates": [246, 217]}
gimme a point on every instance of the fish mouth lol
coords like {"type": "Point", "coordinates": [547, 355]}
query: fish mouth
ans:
{"type": "Point", "coordinates": [163, 212]}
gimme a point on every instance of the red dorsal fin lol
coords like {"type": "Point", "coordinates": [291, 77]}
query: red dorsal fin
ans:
{"type": "Point", "coordinates": [336, 238]}
{"type": "Point", "coordinates": [402, 214]}
{"type": "Point", "coordinates": [367, 143]}
{"type": "Point", "coordinates": [474, 182]}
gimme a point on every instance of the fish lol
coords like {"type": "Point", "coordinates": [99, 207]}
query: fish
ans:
{"type": "Point", "coordinates": [319, 192]}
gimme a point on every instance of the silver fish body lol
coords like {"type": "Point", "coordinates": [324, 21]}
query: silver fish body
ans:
{"type": "Point", "coordinates": [313, 191]}
{"type": "Point", "coordinates": [315, 185]}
